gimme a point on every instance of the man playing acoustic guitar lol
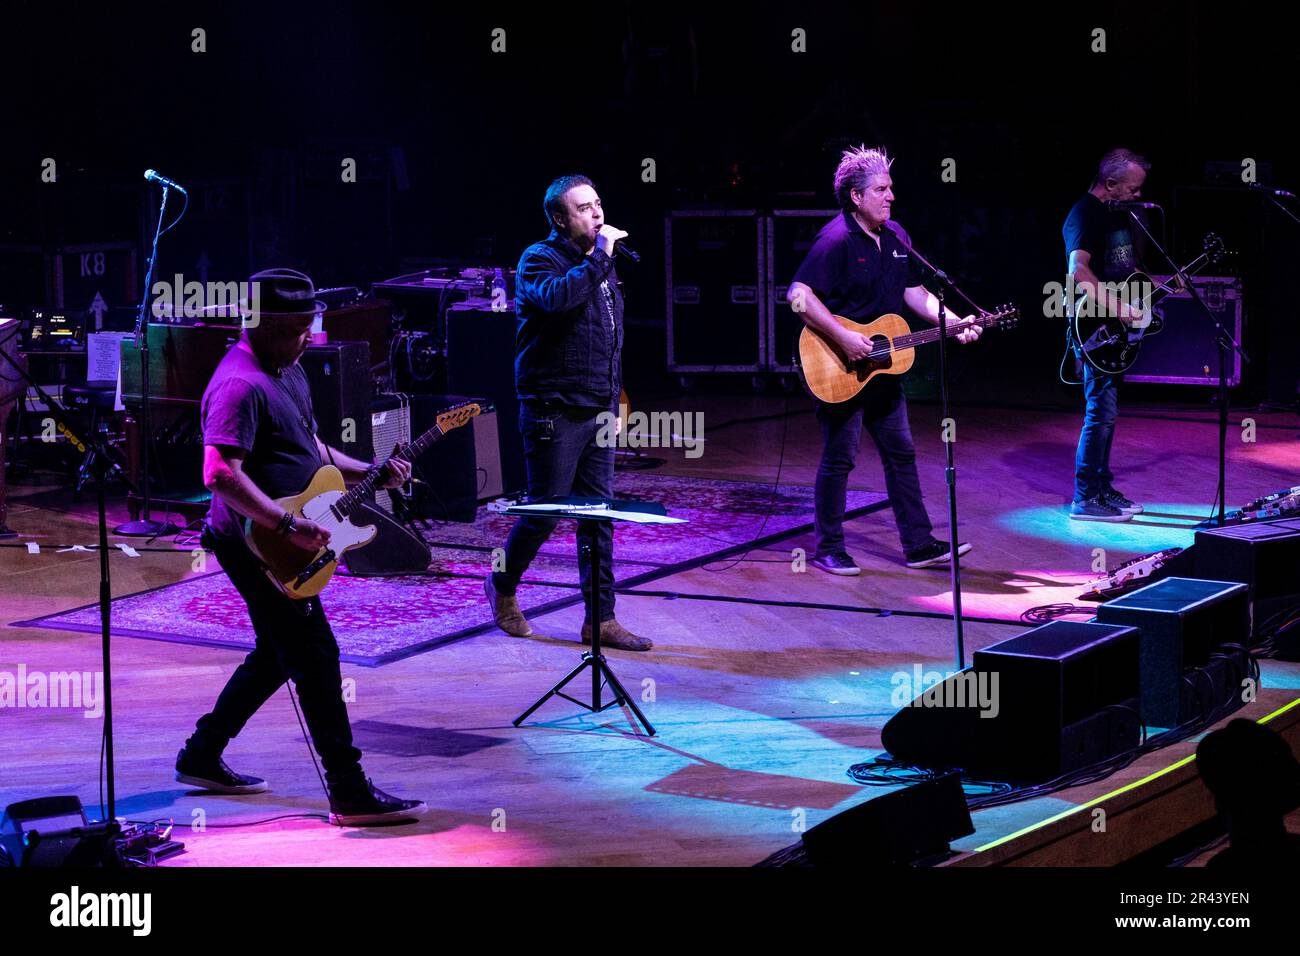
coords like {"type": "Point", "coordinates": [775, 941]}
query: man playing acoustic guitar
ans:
{"type": "Point", "coordinates": [260, 444]}
{"type": "Point", "coordinates": [859, 268]}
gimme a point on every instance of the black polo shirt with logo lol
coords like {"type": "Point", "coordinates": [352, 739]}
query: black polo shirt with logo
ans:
{"type": "Point", "coordinates": [852, 276]}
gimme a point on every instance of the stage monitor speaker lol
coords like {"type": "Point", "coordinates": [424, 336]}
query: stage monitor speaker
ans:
{"type": "Point", "coordinates": [339, 374]}
{"type": "Point", "coordinates": [1065, 696]}
{"type": "Point", "coordinates": [910, 825]}
{"type": "Point", "coordinates": [54, 832]}
{"type": "Point", "coordinates": [393, 550]}
{"type": "Point", "coordinates": [1059, 697]}
{"type": "Point", "coordinates": [1183, 622]}
{"type": "Point", "coordinates": [1264, 556]}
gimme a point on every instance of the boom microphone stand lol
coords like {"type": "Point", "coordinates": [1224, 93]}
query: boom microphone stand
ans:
{"type": "Point", "coordinates": [1226, 344]}
{"type": "Point", "coordinates": [954, 563]}
{"type": "Point", "coordinates": [145, 526]}
{"type": "Point", "coordinates": [105, 457]}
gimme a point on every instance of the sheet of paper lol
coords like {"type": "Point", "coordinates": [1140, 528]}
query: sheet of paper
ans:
{"type": "Point", "coordinates": [572, 511]}
{"type": "Point", "coordinates": [103, 355]}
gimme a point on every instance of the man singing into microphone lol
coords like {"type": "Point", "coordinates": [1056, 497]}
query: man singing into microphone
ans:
{"type": "Point", "coordinates": [568, 369]}
{"type": "Point", "coordinates": [1099, 249]}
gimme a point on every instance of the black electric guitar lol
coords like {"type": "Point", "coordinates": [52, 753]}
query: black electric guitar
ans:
{"type": "Point", "coordinates": [1112, 346]}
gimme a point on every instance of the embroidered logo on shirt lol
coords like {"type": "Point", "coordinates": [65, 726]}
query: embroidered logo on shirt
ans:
{"type": "Point", "coordinates": [897, 255]}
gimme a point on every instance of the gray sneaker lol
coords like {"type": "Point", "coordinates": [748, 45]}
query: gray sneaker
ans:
{"type": "Point", "coordinates": [836, 563]}
{"type": "Point", "coordinates": [1097, 509]}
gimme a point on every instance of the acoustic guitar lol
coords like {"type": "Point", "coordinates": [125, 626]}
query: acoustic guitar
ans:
{"type": "Point", "coordinates": [831, 377]}
{"type": "Point", "coordinates": [301, 573]}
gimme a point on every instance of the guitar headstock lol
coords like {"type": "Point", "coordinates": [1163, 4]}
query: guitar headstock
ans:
{"type": "Point", "coordinates": [1214, 248]}
{"type": "Point", "coordinates": [458, 416]}
{"type": "Point", "coordinates": [1005, 316]}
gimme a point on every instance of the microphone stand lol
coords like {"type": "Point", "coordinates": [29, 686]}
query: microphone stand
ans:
{"type": "Point", "coordinates": [946, 283]}
{"type": "Point", "coordinates": [1227, 343]}
{"type": "Point", "coordinates": [145, 526]}
{"type": "Point", "coordinates": [104, 458]}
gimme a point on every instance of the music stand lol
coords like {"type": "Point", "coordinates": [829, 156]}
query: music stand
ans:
{"type": "Point", "coordinates": [590, 513]}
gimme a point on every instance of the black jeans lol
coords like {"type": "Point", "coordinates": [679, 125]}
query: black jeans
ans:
{"type": "Point", "coordinates": [294, 641]}
{"type": "Point", "coordinates": [562, 458]}
{"type": "Point", "coordinates": [882, 408]}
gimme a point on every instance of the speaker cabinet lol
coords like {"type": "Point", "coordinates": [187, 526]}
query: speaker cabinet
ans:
{"type": "Point", "coordinates": [480, 361]}
{"type": "Point", "coordinates": [339, 375]}
{"type": "Point", "coordinates": [1265, 557]}
{"type": "Point", "coordinates": [1183, 622]}
{"type": "Point", "coordinates": [1066, 697]}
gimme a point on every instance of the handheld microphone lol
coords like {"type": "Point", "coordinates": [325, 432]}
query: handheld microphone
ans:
{"type": "Point", "coordinates": [621, 248]}
{"type": "Point", "coordinates": [153, 176]}
{"type": "Point", "coordinates": [1116, 204]}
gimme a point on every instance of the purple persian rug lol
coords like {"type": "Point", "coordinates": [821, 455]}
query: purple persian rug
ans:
{"type": "Point", "coordinates": [379, 620]}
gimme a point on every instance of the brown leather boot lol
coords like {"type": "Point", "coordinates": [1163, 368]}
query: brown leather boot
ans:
{"type": "Point", "coordinates": [614, 634]}
{"type": "Point", "coordinates": [505, 611]}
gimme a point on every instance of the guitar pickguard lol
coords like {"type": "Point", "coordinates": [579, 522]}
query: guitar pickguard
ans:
{"type": "Point", "coordinates": [344, 535]}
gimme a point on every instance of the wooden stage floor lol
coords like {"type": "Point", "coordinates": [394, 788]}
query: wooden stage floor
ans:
{"type": "Point", "coordinates": [760, 707]}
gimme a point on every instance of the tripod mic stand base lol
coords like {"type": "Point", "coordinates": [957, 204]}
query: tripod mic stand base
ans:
{"type": "Point", "coordinates": [146, 528]}
{"type": "Point", "coordinates": [620, 699]}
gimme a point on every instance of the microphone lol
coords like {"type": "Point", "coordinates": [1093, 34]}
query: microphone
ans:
{"type": "Point", "coordinates": [1116, 204]}
{"type": "Point", "coordinates": [1272, 192]}
{"type": "Point", "coordinates": [153, 176]}
{"type": "Point", "coordinates": [621, 248]}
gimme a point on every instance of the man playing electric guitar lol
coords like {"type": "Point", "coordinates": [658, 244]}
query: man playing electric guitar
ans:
{"type": "Point", "coordinates": [859, 268]}
{"type": "Point", "coordinates": [260, 444]}
{"type": "Point", "coordinates": [1099, 248]}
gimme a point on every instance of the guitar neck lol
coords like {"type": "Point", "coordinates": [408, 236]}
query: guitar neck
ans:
{"type": "Point", "coordinates": [1191, 269]}
{"type": "Point", "coordinates": [932, 334]}
{"type": "Point", "coordinates": [363, 489]}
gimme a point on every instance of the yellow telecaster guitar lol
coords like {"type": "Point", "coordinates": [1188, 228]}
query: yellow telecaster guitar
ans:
{"type": "Point", "coordinates": [831, 377]}
{"type": "Point", "coordinates": [301, 573]}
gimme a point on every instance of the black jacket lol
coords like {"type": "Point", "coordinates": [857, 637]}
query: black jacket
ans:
{"type": "Point", "coordinates": [569, 338]}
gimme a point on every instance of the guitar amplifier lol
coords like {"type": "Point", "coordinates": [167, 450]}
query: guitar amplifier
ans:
{"type": "Point", "coordinates": [1185, 352]}
{"type": "Point", "coordinates": [790, 234]}
{"type": "Point", "coordinates": [716, 307]}
{"type": "Point", "coordinates": [390, 425]}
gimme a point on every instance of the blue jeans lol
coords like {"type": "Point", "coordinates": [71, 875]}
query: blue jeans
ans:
{"type": "Point", "coordinates": [882, 408]}
{"type": "Point", "coordinates": [1092, 474]}
{"type": "Point", "coordinates": [562, 458]}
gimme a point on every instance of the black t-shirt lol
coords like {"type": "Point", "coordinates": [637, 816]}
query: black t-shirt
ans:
{"type": "Point", "coordinates": [853, 276]}
{"type": "Point", "coordinates": [1105, 234]}
{"type": "Point", "coordinates": [270, 417]}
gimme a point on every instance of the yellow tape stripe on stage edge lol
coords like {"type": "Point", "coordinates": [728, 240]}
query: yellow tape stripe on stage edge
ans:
{"type": "Point", "coordinates": [1115, 793]}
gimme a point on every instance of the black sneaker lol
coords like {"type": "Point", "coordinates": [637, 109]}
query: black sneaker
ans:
{"type": "Point", "coordinates": [837, 563]}
{"type": "Point", "coordinates": [211, 773]}
{"type": "Point", "coordinates": [363, 804]}
{"type": "Point", "coordinates": [936, 552]}
{"type": "Point", "coordinates": [1117, 500]}
{"type": "Point", "coordinates": [1096, 509]}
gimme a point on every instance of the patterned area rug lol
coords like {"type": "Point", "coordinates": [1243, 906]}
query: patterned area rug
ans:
{"type": "Point", "coordinates": [379, 620]}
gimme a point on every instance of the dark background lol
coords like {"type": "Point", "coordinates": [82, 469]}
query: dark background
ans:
{"type": "Point", "coordinates": [455, 144]}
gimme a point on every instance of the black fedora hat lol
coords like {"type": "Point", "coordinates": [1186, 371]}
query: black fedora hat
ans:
{"type": "Point", "coordinates": [281, 292]}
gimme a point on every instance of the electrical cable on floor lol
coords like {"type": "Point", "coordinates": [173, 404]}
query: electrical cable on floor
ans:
{"type": "Point", "coordinates": [1046, 613]}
